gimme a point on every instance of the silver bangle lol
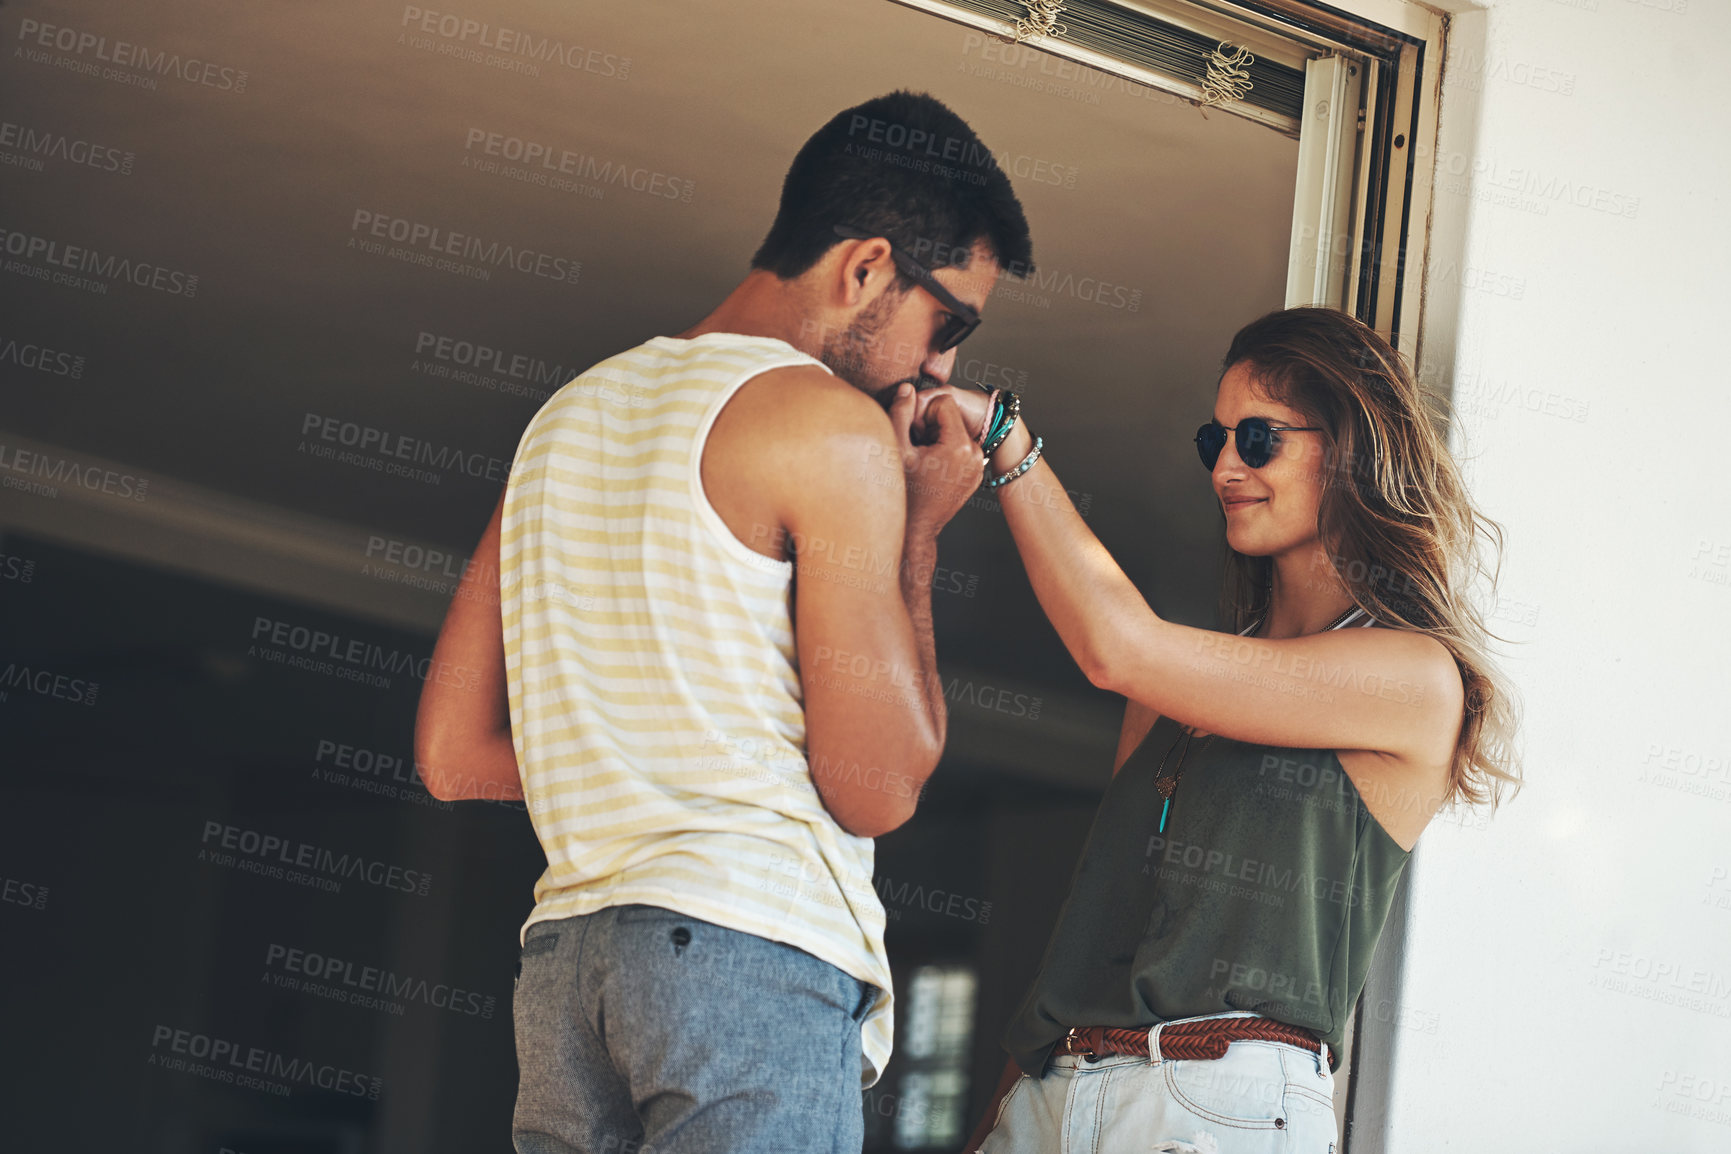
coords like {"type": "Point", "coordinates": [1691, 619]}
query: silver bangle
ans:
{"type": "Point", "coordinates": [1027, 463]}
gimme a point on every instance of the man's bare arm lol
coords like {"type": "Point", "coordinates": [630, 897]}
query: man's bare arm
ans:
{"type": "Point", "coordinates": [874, 711]}
{"type": "Point", "coordinates": [941, 475]}
{"type": "Point", "coordinates": [872, 738]}
{"type": "Point", "coordinates": [463, 728]}
{"type": "Point", "coordinates": [919, 561]}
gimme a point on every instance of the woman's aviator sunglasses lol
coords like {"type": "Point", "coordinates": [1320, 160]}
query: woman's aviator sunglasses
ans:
{"type": "Point", "coordinates": [963, 318]}
{"type": "Point", "coordinates": [1255, 439]}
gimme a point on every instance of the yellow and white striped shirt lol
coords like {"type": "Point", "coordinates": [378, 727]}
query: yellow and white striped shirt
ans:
{"type": "Point", "coordinates": [656, 703]}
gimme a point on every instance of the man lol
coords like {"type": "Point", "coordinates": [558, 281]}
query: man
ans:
{"type": "Point", "coordinates": [707, 743]}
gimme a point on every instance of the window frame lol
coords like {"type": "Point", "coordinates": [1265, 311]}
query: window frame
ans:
{"type": "Point", "coordinates": [1379, 66]}
{"type": "Point", "coordinates": [1368, 195]}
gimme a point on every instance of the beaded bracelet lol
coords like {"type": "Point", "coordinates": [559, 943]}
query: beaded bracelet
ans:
{"type": "Point", "coordinates": [1027, 463]}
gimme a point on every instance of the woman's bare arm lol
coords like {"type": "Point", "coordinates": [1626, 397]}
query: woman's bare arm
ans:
{"type": "Point", "coordinates": [1391, 691]}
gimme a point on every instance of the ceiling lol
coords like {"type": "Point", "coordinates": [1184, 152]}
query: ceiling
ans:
{"type": "Point", "coordinates": [369, 111]}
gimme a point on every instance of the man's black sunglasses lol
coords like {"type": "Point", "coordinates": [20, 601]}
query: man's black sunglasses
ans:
{"type": "Point", "coordinates": [1254, 436]}
{"type": "Point", "coordinates": [963, 318]}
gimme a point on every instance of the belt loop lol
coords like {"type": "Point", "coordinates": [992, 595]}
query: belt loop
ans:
{"type": "Point", "coordinates": [1154, 1058]}
{"type": "Point", "coordinates": [1322, 1059]}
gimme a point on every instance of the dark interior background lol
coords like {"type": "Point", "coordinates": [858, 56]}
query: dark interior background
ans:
{"type": "Point", "coordinates": [159, 501]}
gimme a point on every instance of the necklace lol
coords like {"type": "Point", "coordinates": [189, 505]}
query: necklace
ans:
{"type": "Point", "coordinates": [1167, 786]}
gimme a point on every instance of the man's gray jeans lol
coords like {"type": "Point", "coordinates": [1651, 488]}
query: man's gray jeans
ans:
{"type": "Point", "coordinates": [644, 1031]}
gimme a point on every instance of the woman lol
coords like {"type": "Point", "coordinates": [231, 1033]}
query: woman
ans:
{"type": "Point", "coordinates": [1269, 787]}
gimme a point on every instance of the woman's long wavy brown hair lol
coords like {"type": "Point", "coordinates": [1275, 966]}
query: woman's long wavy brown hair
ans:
{"type": "Point", "coordinates": [1402, 534]}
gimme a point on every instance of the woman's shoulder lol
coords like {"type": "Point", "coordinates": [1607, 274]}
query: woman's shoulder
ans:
{"type": "Point", "coordinates": [1437, 655]}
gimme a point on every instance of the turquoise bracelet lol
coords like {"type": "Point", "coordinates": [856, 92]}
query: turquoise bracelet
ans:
{"type": "Point", "coordinates": [1003, 420]}
{"type": "Point", "coordinates": [1027, 463]}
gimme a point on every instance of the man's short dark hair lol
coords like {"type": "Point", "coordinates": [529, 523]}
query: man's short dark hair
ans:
{"type": "Point", "coordinates": [904, 167]}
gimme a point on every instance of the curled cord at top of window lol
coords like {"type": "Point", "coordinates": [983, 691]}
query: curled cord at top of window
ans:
{"type": "Point", "coordinates": [1228, 75]}
{"type": "Point", "coordinates": [1041, 20]}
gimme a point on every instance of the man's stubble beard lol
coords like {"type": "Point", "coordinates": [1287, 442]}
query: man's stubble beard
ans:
{"type": "Point", "coordinates": [848, 354]}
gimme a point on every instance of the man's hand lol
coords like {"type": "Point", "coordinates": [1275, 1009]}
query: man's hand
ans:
{"type": "Point", "coordinates": [943, 473]}
{"type": "Point", "coordinates": [973, 405]}
{"type": "Point", "coordinates": [971, 401]}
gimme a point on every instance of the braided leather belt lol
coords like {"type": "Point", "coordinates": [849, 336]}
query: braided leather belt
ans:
{"type": "Point", "coordinates": [1204, 1038]}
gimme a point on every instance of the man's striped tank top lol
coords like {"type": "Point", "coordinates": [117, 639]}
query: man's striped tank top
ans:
{"type": "Point", "coordinates": [656, 703]}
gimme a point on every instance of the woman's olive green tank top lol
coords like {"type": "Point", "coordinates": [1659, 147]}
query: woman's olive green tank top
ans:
{"type": "Point", "coordinates": [1266, 892]}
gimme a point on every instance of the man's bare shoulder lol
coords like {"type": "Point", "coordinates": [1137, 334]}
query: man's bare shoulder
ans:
{"type": "Point", "coordinates": [806, 399]}
{"type": "Point", "coordinates": [802, 439]}
{"type": "Point", "coordinates": [803, 412]}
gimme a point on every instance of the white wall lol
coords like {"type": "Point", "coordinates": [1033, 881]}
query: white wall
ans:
{"type": "Point", "coordinates": [1566, 981]}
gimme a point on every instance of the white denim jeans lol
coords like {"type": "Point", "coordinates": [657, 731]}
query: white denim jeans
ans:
{"type": "Point", "coordinates": [1260, 1098]}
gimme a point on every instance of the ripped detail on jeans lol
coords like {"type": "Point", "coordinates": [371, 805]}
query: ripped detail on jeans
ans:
{"type": "Point", "coordinates": [1201, 1142]}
